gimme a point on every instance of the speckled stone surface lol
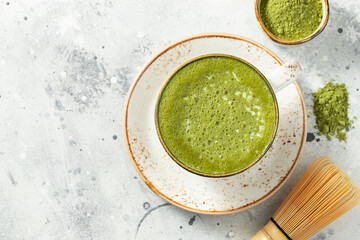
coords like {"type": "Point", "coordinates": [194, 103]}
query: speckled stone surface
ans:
{"type": "Point", "coordinates": [65, 68]}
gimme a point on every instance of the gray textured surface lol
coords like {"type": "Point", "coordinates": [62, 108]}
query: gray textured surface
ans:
{"type": "Point", "coordinates": [65, 68]}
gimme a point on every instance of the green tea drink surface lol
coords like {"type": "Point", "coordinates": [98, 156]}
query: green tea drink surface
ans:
{"type": "Point", "coordinates": [216, 115]}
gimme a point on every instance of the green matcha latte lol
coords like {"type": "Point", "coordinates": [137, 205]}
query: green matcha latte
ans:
{"type": "Point", "coordinates": [216, 115]}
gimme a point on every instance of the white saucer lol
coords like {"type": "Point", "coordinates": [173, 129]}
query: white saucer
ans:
{"type": "Point", "coordinates": [190, 191]}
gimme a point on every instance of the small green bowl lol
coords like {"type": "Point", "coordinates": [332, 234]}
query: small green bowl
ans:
{"type": "Point", "coordinates": [287, 42]}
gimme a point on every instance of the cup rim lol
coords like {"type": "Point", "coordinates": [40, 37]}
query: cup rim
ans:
{"type": "Point", "coordinates": [276, 125]}
{"type": "Point", "coordinates": [321, 27]}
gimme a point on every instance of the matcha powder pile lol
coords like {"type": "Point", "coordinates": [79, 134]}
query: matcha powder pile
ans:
{"type": "Point", "coordinates": [291, 20]}
{"type": "Point", "coordinates": [330, 108]}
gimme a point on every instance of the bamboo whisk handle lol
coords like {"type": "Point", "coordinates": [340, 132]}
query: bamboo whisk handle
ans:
{"type": "Point", "coordinates": [270, 232]}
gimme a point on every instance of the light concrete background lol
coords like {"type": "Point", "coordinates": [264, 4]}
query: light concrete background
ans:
{"type": "Point", "coordinates": [65, 68]}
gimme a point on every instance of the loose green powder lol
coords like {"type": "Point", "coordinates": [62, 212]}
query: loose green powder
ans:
{"type": "Point", "coordinates": [330, 108]}
{"type": "Point", "coordinates": [291, 20]}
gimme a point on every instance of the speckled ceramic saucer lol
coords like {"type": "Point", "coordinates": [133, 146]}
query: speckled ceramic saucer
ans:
{"type": "Point", "coordinates": [190, 191]}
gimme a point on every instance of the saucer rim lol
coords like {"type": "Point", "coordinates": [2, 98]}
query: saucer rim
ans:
{"type": "Point", "coordinates": [150, 185]}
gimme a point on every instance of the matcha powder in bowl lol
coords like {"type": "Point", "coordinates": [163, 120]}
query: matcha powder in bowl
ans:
{"type": "Point", "coordinates": [291, 20]}
{"type": "Point", "coordinates": [331, 111]}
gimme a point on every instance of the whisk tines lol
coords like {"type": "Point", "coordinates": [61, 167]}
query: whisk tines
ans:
{"type": "Point", "coordinates": [322, 195]}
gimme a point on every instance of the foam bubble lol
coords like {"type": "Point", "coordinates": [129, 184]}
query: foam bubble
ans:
{"type": "Point", "coordinates": [188, 124]}
{"type": "Point", "coordinates": [237, 79]}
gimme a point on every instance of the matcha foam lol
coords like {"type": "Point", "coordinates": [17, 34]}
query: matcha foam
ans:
{"type": "Point", "coordinates": [216, 115]}
{"type": "Point", "coordinates": [291, 19]}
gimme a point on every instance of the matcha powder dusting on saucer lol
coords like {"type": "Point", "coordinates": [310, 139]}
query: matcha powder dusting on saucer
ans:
{"type": "Point", "coordinates": [291, 20]}
{"type": "Point", "coordinates": [331, 111]}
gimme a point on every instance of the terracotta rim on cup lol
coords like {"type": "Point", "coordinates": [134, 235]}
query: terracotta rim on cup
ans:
{"type": "Point", "coordinates": [287, 42]}
{"type": "Point", "coordinates": [239, 170]}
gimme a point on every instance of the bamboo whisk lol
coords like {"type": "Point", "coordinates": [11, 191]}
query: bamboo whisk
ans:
{"type": "Point", "coordinates": [322, 195]}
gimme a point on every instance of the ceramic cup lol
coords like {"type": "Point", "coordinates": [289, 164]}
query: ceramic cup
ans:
{"type": "Point", "coordinates": [287, 42]}
{"type": "Point", "coordinates": [276, 81]}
